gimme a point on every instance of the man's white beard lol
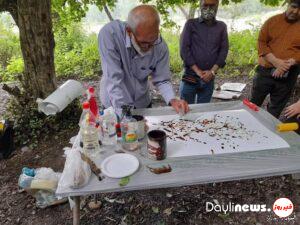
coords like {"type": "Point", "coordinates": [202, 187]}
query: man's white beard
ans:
{"type": "Point", "coordinates": [137, 47]}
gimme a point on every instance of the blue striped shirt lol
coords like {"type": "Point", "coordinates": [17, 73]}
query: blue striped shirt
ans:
{"type": "Point", "coordinates": [125, 72]}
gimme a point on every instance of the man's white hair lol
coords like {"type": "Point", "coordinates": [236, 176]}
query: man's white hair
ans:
{"type": "Point", "coordinates": [135, 17]}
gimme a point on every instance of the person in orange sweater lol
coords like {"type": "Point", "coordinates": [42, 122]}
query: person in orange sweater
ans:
{"type": "Point", "coordinates": [279, 59]}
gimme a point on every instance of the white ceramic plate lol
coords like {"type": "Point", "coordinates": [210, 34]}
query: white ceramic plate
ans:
{"type": "Point", "coordinates": [119, 165]}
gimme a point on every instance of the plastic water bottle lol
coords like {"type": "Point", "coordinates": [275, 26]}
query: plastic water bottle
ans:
{"type": "Point", "coordinates": [88, 132]}
{"type": "Point", "coordinates": [83, 119]}
{"type": "Point", "coordinates": [129, 130]}
{"type": "Point", "coordinates": [85, 113]}
{"type": "Point", "coordinates": [90, 140]}
{"type": "Point", "coordinates": [108, 127]}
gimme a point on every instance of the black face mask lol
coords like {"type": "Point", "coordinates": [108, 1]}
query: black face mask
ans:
{"type": "Point", "coordinates": [208, 13]}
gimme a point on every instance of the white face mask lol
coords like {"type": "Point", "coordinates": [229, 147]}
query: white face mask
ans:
{"type": "Point", "coordinates": [136, 46]}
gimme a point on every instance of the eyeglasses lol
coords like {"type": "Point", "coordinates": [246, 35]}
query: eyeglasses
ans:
{"type": "Point", "coordinates": [149, 44]}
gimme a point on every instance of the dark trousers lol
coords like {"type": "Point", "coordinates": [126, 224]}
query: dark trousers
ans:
{"type": "Point", "coordinates": [280, 89]}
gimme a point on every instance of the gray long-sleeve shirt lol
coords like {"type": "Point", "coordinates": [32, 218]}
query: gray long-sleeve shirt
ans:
{"type": "Point", "coordinates": [125, 72]}
{"type": "Point", "coordinates": [203, 45]}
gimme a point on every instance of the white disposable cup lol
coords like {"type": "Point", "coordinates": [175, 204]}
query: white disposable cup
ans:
{"type": "Point", "coordinates": [141, 127]}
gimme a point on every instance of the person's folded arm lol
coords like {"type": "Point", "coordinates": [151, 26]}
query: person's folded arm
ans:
{"type": "Point", "coordinates": [161, 77]}
{"type": "Point", "coordinates": [223, 52]}
{"type": "Point", "coordinates": [112, 69]}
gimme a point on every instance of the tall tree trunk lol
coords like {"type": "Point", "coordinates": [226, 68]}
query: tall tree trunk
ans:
{"type": "Point", "coordinates": [37, 44]}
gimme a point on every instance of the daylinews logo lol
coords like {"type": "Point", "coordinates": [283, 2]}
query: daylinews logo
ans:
{"type": "Point", "coordinates": [282, 207]}
{"type": "Point", "coordinates": [232, 207]}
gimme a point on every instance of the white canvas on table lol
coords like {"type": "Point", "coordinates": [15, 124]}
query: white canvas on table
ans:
{"type": "Point", "coordinates": [238, 87]}
{"type": "Point", "coordinates": [226, 94]}
{"type": "Point", "coordinates": [215, 133]}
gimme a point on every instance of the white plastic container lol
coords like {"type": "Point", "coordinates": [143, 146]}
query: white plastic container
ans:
{"type": "Point", "coordinates": [61, 97]}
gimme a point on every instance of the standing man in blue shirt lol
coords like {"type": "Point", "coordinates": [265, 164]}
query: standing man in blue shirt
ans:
{"type": "Point", "coordinates": [203, 49]}
{"type": "Point", "coordinates": [131, 52]}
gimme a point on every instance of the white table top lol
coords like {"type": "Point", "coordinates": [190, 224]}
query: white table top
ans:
{"type": "Point", "coordinates": [202, 169]}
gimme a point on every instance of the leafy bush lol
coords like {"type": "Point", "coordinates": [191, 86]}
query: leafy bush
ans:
{"type": "Point", "coordinates": [31, 126]}
{"type": "Point", "coordinates": [242, 54]}
{"type": "Point", "coordinates": [15, 67]}
{"type": "Point", "coordinates": [9, 51]}
{"type": "Point", "coordinates": [172, 40]}
{"type": "Point", "coordinates": [76, 55]}
{"type": "Point", "coordinates": [9, 45]}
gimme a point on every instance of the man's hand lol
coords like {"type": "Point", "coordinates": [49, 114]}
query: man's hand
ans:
{"type": "Point", "coordinates": [197, 70]}
{"type": "Point", "coordinates": [293, 110]}
{"type": "Point", "coordinates": [278, 73]}
{"type": "Point", "coordinates": [291, 61]}
{"type": "Point", "coordinates": [282, 65]}
{"type": "Point", "coordinates": [200, 74]}
{"type": "Point", "coordinates": [207, 76]}
{"type": "Point", "coordinates": [180, 106]}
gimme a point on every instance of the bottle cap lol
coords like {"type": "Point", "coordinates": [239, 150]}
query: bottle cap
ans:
{"type": "Point", "coordinates": [86, 105]}
{"type": "Point", "coordinates": [91, 90]}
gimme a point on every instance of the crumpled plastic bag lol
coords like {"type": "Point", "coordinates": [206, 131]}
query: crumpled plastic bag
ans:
{"type": "Point", "coordinates": [46, 174]}
{"type": "Point", "coordinates": [42, 186]}
{"type": "Point", "coordinates": [76, 172]}
{"type": "Point", "coordinates": [46, 198]}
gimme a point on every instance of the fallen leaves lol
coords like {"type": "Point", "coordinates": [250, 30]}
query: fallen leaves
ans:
{"type": "Point", "coordinates": [155, 209]}
{"type": "Point", "coordinates": [111, 200]}
{"type": "Point", "coordinates": [94, 205]}
{"type": "Point", "coordinates": [168, 211]}
{"type": "Point", "coordinates": [124, 181]}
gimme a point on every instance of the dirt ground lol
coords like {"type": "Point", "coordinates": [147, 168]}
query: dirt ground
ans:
{"type": "Point", "coordinates": [184, 205]}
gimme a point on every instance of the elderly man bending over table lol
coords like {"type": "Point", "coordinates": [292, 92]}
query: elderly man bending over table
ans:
{"type": "Point", "coordinates": [131, 52]}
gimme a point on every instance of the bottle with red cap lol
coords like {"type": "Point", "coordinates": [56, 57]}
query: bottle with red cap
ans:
{"type": "Point", "coordinates": [93, 103]}
{"type": "Point", "coordinates": [85, 113]}
{"type": "Point", "coordinates": [83, 119]}
{"type": "Point", "coordinates": [88, 132]}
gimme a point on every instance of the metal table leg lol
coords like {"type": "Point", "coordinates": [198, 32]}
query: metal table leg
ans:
{"type": "Point", "coordinates": [76, 211]}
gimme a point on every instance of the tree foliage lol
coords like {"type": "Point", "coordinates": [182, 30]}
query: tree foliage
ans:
{"type": "Point", "coordinates": [164, 5]}
{"type": "Point", "coordinates": [68, 11]}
